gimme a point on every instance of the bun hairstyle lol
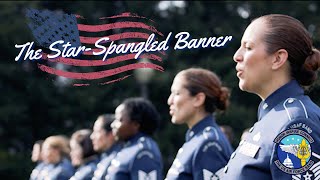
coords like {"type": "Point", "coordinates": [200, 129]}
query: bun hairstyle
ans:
{"type": "Point", "coordinates": [309, 70]}
{"type": "Point", "coordinates": [202, 80]}
{"type": "Point", "coordinates": [286, 32]}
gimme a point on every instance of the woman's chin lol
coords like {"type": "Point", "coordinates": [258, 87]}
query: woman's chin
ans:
{"type": "Point", "coordinates": [242, 85]}
{"type": "Point", "coordinates": [175, 121]}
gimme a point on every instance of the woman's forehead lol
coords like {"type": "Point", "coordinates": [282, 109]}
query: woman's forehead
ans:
{"type": "Point", "coordinates": [120, 109]}
{"type": "Point", "coordinates": [179, 80]}
{"type": "Point", "coordinates": [254, 32]}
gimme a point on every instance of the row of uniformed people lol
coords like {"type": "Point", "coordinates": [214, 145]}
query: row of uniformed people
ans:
{"type": "Point", "coordinates": [276, 61]}
{"type": "Point", "coordinates": [124, 141]}
{"type": "Point", "coordinates": [270, 64]}
{"type": "Point", "coordinates": [55, 162]}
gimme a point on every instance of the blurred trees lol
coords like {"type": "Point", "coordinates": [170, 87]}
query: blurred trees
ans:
{"type": "Point", "coordinates": [32, 106]}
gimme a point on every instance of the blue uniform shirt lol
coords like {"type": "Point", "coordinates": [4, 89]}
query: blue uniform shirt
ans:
{"type": "Point", "coordinates": [36, 171]}
{"type": "Point", "coordinates": [60, 171]}
{"type": "Point", "coordinates": [205, 151]}
{"type": "Point", "coordinates": [85, 171]}
{"type": "Point", "coordinates": [284, 143]}
{"type": "Point", "coordinates": [139, 159]}
{"type": "Point", "coordinates": [105, 162]}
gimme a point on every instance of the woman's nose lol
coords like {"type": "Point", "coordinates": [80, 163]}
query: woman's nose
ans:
{"type": "Point", "coordinates": [169, 101]}
{"type": "Point", "coordinates": [237, 57]}
{"type": "Point", "coordinates": [115, 124]}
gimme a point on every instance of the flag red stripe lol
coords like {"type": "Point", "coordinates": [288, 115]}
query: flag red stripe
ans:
{"type": "Point", "coordinates": [99, 74]}
{"type": "Point", "coordinates": [123, 15]}
{"type": "Point", "coordinates": [115, 37]}
{"type": "Point", "coordinates": [108, 82]}
{"type": "Point", "coordinates": [116, 25]}
{"type": "Point", "coordinates": [77, 62]}
{"type": "Point", "coordinates": [112, 81]}
{"type": "Point", "coordinates": [87, 84]}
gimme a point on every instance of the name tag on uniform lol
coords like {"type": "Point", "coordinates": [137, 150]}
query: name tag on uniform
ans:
{"type": "Point", "coordinates": [249, 149]}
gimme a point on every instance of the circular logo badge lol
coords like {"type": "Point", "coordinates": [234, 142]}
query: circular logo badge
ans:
{"type": "Point", "coordinates": [294, 151]}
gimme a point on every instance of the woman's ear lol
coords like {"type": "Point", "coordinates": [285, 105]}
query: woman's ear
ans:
{"type": "Point", "coordinates": [281, 57]}
{"type": "Point", "coordinates": [199, 99]}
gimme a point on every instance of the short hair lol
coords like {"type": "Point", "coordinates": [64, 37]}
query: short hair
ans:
{"type": "Point", "coordinates": [82, 137]}
{"type": "Point", "coordinates": [143, 112]}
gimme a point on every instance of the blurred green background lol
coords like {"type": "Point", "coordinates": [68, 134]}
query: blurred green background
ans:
{"type": "Point", "coordinates": [33, 107]}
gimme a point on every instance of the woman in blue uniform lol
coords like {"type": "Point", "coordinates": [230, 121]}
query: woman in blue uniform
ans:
{"type": "Point", "coordinates": [36, 157]}
{"type": "Point", "coordinates": [196, 94]}
{"type": "Point", "coordinates": [140, 158]}
{"type": "Point", "coordinates": [104, 143]}
{"type": "Point", "coordinates": [83, 155]}
{"type": "Point", "coordinates": [55, 155]}
{"type": "Point", "coordinates": [275, 61]}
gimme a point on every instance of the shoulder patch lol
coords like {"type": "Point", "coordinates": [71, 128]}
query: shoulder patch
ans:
{"type": "Point", "coordinates": [295, 154]}
{"type": "Point", "coordinates": [211, 144]}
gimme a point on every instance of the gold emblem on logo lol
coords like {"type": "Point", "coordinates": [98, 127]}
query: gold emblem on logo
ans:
{"type": "Point", "coordinates": [303, 152]}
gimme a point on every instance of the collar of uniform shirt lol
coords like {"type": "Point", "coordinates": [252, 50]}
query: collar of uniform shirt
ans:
{"type": "Point", "coordinates": [114, 147]}
{"type": "Point", "coordinates": [205, 122]}
{"type": "Point", "coordinates": [291, 89]}
{"type": "Point", "coordinates": [133, 139]}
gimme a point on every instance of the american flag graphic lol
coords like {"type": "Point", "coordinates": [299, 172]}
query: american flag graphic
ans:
{"type": "Point", "coordinates": [48, 27]}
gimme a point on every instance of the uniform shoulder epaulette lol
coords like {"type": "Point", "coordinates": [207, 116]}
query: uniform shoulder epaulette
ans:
{"type": "Point", "coordinates": [210, 133]}
{"type": "Point", "coordinates": [144, 143]}
{"type": "Point", "coordinates": [295, 109]}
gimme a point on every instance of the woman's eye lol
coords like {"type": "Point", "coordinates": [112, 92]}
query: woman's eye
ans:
{"type": "Point", "coordinates": [174, 93]}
